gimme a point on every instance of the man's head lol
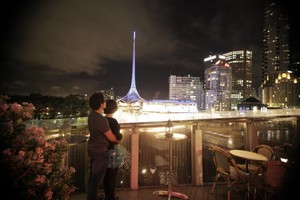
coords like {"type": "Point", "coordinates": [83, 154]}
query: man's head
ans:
{"type": "Point", "coordinates": [96, 100]}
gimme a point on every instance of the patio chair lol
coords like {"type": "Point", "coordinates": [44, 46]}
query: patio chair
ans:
{"type": "Point", "coordinates": [271, 178]}
{"type": "Point", "coordinates": [227, 168]}
{"type": "Point", "coordinates": [265, 150]}
{"type": "Point", "coordinates": [262, 149]}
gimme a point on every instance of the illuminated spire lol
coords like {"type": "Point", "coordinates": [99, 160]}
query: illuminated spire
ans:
{"type": "Point", "coordinates": [132, 95]}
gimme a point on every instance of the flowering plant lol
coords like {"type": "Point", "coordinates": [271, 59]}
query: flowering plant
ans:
{"type": "Point", "coordinates": [32, 164]}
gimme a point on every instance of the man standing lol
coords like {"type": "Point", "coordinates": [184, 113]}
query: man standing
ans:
{"type": "Point", "coordinates": [100, 136]}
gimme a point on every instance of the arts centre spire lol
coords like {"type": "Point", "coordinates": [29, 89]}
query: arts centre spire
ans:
{"type": "Point", "coordinates": [132, 95]}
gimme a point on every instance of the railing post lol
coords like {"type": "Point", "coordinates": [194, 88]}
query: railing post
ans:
{"type": "Point", "coordinates": [134, 159]}
{"type": "Point", "coordinates": [198, 164]}
{"type": "Point", "coordinates": [251, 138]}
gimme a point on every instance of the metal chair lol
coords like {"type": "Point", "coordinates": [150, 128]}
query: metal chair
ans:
{"type": "Point", "coordinates": [227, 168]}
{"type": "Point", "coordinates": [262, 149]}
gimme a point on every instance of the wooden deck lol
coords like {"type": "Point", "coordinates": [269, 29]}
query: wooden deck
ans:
{"type": "Point", "coordinates": [193, 193]}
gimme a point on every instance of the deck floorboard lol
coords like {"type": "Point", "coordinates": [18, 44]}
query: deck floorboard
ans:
{"type": "Point", "coordinates": [193, 193]}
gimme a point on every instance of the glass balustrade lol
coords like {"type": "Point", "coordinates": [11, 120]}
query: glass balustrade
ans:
{"type": "Point", "coordinates": [146, 158]}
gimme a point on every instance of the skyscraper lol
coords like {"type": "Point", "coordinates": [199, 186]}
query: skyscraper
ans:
{"type": "Point", "coordinates": [210, 61]}
{"type": "Point", "coordinates": [218, 86]}
{"type": "Point", "coordinates": [241, 66]}
{"type": "Point", "coordinates": [280, 88]}
{"type": "Point", "coordinates": [276, 47]}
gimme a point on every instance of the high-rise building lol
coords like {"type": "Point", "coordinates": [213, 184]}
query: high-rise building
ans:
{"type": "Point", "coordinates": [241, 68]}
{"type": "Point", "coordinates": [280, 88]}
{"type": "Point", "coordinates": [218, 86]}
{"type": "Point", "coordinates": [212, 59]}
{"type": "Point", "coordinates": [276, 33]}
{"type": "Point", "coordinates": [185, 88]}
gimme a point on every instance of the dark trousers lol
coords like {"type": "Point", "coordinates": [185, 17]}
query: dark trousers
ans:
{"type": "Point", "coordinates": [109, 183]}
{"type": "Point", "coordinates": [98, 166]}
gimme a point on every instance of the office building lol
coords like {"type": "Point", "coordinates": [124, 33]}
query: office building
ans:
{"type": "Point", "coordinates": [186, 88]}
{"type": "Point", "coordinates": [218, 86]}
{"type": "Point", "coordinates": [276, 33]}
{"type": "Point", "coordinates": [212, 59]}
{"type": "Point", "coordinates": [241, 68]}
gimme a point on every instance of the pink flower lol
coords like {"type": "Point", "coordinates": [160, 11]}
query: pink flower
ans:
{"type": "Point", "coordinates": [27, 115]}
{"type": "Point", "coordinates": [36, 163]}
{"type": "Point", "coordinates": [22, 154]}
{"type": "Point", "coordinates": [50, 146]}
{"type": "Point", "coordinates": [37, 130]}
{"type": "Point", "coordinates": [39, 151]}
{"type": "Point", "coordinates": [40, 179]}
{"type": "Point", "coordinates": [48, 167]}
{"type": "Point", "coordinates": [16, 108]}
{"type": "Point", "coordinates": [72, 170]}
{"type": "Point", "coordinates": [49, 194]}
{"type": "Point", "coordinates": [3, 108]}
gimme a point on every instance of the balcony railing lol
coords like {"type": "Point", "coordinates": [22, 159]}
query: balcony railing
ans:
{"type": "Point", "coordinates": [146, 162]}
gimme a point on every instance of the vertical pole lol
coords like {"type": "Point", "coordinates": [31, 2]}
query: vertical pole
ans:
{"type": "Point", "coordinates": [198, 157]}
{"type": "Point", "coordinates": [250, 138]}
{"type": "Point", "coordinates": [170, 170]}
{"type": "Point", "coordinates": [133, 85]}
{"type": "Point", "coordinates": [134, 159]}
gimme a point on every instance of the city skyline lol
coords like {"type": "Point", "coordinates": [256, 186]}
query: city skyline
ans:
{"type": "Point", "coordinates": [68, 48]}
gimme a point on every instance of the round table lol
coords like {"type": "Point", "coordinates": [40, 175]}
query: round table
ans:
{"type": "Point", "coordinates": [170, 139]}
{"type": "Point", "coordinates": [248, 156]}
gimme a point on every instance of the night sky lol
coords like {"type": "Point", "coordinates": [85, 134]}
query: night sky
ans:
{"type": "Point", "coordinates": [81, 46]}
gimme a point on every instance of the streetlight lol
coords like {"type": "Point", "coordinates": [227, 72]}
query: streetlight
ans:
{"type": "Point", "coordinates": [169, 129]}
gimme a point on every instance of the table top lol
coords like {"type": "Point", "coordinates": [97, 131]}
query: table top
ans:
{"type": "Point", "coordinates": [175, 137]}
{"type": "Point", "coordinates": [248, 155]}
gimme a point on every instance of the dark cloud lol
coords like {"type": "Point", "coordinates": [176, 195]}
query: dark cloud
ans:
{"type": "Point", "coordinates": [79, 46]}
